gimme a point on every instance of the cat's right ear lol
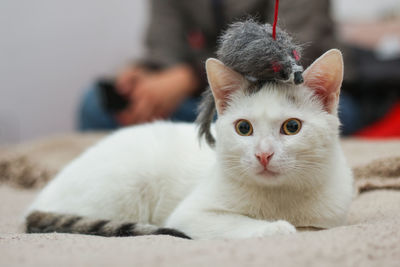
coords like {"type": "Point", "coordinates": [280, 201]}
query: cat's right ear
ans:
{"type": "Point", "coordinates": [223, 82]}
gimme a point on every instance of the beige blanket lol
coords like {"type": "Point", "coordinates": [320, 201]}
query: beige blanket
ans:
{"type": "Point", "coordinates": [371, 237]}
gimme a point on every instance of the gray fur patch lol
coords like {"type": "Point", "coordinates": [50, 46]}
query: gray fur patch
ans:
{"type": "Point", "coordinates": [206, 115]}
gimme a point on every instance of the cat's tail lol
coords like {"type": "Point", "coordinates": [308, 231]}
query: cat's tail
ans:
{"type": "Point", "coordinates": [48, 222]}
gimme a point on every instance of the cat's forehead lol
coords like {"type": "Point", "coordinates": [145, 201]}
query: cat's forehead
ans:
{"type": "Point", "coordinates": [274, 101]}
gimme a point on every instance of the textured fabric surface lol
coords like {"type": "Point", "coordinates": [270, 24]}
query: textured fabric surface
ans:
{"type": "Point", "coordinates": [370, 238]}
{"type": "Point", "coordinates": [33, 164]}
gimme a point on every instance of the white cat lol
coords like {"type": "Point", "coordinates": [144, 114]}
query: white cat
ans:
{"type": "Point", "coordinates": [277, 165]}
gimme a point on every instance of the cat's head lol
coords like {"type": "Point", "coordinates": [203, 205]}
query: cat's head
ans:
{"type": "Point", "coordinates": [281, 133]}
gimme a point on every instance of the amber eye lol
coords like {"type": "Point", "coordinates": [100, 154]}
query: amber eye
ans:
{"type": "Point", "coordinates": [291, 126]}
{"type": "Point", "coordinates": [244, 127]}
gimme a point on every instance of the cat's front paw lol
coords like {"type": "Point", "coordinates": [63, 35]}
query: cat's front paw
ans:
{"type": "Point", "coordinates": [276, 228]}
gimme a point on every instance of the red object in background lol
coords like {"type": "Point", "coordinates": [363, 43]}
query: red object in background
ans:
{"type": "Point", "coordinates": [387, 127]}
{"type": "Point", "coordinates": [196, 40]}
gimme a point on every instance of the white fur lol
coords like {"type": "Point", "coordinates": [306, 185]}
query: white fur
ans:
{"type": "Point", "coordinates": [160, 174]}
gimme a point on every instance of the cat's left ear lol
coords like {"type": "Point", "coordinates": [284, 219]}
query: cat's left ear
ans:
{"type": "Point", "coordinates": [223, 82]}
{"type": "Point", "coordinates": [325, 77]}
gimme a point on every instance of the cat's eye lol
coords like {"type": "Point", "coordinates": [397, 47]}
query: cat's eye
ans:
{"type": "Point", "coordinates": [244, 127]}
{"type": "Point", "coordinates": [291, 126]}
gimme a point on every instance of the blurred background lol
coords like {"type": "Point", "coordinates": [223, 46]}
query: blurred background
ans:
{"type": "Point", "coordinates": [51, 50]}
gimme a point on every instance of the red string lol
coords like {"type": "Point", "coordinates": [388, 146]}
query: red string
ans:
{"type": "Point", "coordinates": [275, 19]}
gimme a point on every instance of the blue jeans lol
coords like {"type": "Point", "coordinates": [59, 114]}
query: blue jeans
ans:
{"type": "Point", "coordinates": [349, 114]}
{"type": "Point", "coordinates": [93, 116]}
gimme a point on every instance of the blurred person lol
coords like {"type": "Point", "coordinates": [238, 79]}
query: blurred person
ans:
{"type": "Point", "coordinates": [371, 88]}
{"type": "Point", "coordinates": [168, 81]}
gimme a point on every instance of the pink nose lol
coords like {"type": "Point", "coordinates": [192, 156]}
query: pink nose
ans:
{"type": "Point", "coordinates": [264, 158]}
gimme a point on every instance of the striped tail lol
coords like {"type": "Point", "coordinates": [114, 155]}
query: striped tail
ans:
{"type": "Point", "coordinates": [48, 222]}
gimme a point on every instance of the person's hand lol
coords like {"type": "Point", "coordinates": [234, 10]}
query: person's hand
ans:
{"type": "Point", "coordinates": [127, 79]}
{"type": "Point", "coordinates": [157, 95]}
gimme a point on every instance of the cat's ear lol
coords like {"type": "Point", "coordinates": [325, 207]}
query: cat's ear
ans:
{"type": "Point", "coordinates": [223, 82]}
{"type": "Point", "coordinates": [325, 77]}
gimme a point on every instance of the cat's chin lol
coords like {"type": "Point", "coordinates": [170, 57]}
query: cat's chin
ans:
{"type": "Point", "coordinates": [268, 174]}
{"type": "Point", "coordinates": [268, 177]}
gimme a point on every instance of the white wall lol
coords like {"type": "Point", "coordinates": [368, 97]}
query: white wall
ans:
{"type": "Point", "coordinates": [50, 50]}
{"type": "Point", "coordinates": [364, 10]}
